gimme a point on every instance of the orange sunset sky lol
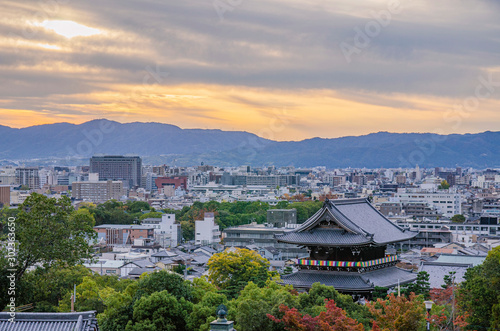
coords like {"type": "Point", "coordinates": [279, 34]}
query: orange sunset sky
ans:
{"type": "Point", "coordinates": [275, 68]}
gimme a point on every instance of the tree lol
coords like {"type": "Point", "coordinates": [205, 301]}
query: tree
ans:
{"type": "Point", "coordinates": [313, 303]}
{"type": "Point", "coordinates": [479, 294]}
{"type": "Point", "coordinates": [204, 312]}
{"type": "Point", "coordinates": [154, 214]}
{"type": "Point", "coordinates": [380, 292]}
{"type": "Point", "coordinates": [134, 207]}
{"type": "Point", "coordinates": [421, 286]}
{"type": "Point", "coordinates": [231, 270]}
{"type": "Point", "coordinates": [45, 288]}
{"type": "Point", "coordinates": [334, 318]}
{"type": "Point", "coordinates": [119, 309]}
{"type": "Point", "coordinates": [398, 313]}
{"type": "Point", "coordinates": [49, 232]}
{"type": "Point", "coordinates": [458, 218]}
{"type": "Point", "coordinates": [159, 311]}
{"type": "Point", "coordinates": [444, 185]}
{"type": "Point", "coordinates": [164, 280]}
{"type": "Point", "coordinates": [250, 309]}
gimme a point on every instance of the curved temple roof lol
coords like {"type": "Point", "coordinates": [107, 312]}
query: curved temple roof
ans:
{"type": "Point", "coordinates": [346, 223]}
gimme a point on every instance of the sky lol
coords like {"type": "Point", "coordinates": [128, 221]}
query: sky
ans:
{"type": "Point", "coordinates": [283, 69]}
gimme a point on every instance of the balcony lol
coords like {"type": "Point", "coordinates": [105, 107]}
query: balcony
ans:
{"type": "Point", "coordinates": [349, 264]}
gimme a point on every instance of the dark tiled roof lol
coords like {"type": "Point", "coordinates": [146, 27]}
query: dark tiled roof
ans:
{"type": "Point", "coordinates": [318, 236]}
{"type": "Point", "coordinates": [348, 281]}
{"type": "Point", "coordinates": [358, 223]}
{"type": "Point", "coordinates": [340, 281]}
{"type": "Point", "coordinates": [364, 215]}
{"type": "Point", "coordinates": [437, 271]}
{"type": "Point", "coordinates": [78, 321]}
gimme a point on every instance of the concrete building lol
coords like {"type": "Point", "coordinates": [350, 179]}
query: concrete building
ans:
{"type": "Point", "coordinates": [180, 181]}
{"type": "Point", "coordinates": [118, 234]}
{"type": "Point", "coordinates": [98, 191]}
{"type": "Point", "coordinates": [448, 204]}
{"type": "Point", "coordinates": [5, 195]}
{"type": "Point", "coordinates": [206, 231]}
{"type": "Point", "coordinates": [262, 236]}
{"type": "Point", "coordinates": [391, 208]}
{"type": "Point", "coordinates": [113, 167]}
{"type": "Point", "coordinates": [421, 210]}
{"type": "Point", "coordinates": [28, 177]}
{"type": "Point", "coordinates": [8, 176]}
{"type": "Point", "coordinates": [167, 232]}
{"type": "Point", "coordinates": [281, 217]}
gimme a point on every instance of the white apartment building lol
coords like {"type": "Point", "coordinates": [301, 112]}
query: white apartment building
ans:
{"type": "Point", "coordinates": [167, 232]}
{"type": "Point", "coordinates": [206, 231]}
{"type": "Point", "coordinates": [447, 203]}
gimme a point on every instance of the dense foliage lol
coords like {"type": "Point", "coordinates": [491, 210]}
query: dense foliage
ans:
{"type": "Point", "coordinates": [46, 232]}
{"type": "Point", "coordinates": [479, 294]}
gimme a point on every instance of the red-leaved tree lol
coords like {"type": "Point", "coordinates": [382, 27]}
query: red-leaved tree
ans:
{"type": "Point", "coordinates": [334, 318]}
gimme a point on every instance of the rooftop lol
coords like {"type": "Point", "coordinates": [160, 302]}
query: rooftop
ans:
{"type": "Point", "coordinates": [344, 223]}
{"type": "Point", "coordinates": [77, 321]}
{"type": "Point", "coordinates": [349, 281]}
{"type": "Point", "coordinates": [123, 226]}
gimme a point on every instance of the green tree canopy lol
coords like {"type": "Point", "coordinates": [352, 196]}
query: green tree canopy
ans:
{"type": "Point", "coordinates": [160, 311]}
{"type": "Point", "coordinates": [458, 218]}
{"type": "Point", "coordinates": [164, 280]}
{"type": "Point", "coordinates": [233, 268]}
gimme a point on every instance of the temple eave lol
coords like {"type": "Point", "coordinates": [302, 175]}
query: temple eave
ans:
{"type": "Point", "coordinates": [351, 281]}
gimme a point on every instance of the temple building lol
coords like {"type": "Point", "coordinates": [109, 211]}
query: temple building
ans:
{"type": "Point", "coordinates": [347, 242]}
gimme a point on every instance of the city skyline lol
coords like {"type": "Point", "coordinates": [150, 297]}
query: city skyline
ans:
{"type": "Point", "coordinates": [288, 70]}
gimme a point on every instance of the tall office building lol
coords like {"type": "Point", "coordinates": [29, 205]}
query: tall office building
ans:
{"type": "Point", "coordinates": [28, 177]}
{"type": "Point", "coordinates": [113, 167]}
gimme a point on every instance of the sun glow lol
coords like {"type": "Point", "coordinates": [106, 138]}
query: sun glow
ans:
{"type": "Point", "coordinates": [69, 29]}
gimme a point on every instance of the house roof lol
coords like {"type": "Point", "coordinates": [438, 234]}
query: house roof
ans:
{"type": "Point", "coordinates": [431, 250]}
{"type": "Point", "coordinates": [461, 259]}
{"type": "Point", "coordinates": [140, 271]}
{"type": "Point", "coordinates": [115, 264]}
{"type": "Point", "coordinates": [208, 249]}
{"type": "Point", "coordinates": [77, 321]}
{"type": "Point", "coordinates": [164, 254]}
{"type": "Point", "coordinates": [350, 281]}
{"type": "Point", "coordinates": [272, 250]}
{"type": "Point", "coordinates": [140, 263]}
{"type": "Point", "coordinates": [345, 223]}
{"type": "Point", "coordinates": [437, 271]}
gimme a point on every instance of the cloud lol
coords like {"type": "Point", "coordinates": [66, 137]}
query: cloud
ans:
{"type": "Point", "coordinates": [280, 51]}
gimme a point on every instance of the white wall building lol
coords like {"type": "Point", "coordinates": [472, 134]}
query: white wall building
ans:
{"type": "Point", "coordinates": [167, 232]}
{"type": "Point", "coordinates": [449, 204]}
{"type": "Point", "coordinates": [206, 231]}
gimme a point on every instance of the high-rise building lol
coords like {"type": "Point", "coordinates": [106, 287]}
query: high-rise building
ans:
{"type": "Point", "coordinates": [5, 195]}
{"type": "Point", "coordinates": [113, 167]}
{"type": "Point", "coordinates": [28, 177]}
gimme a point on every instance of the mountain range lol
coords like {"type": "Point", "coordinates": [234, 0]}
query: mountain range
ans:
{"type": "Point", "coordinates": [164, 143]}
